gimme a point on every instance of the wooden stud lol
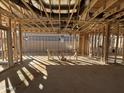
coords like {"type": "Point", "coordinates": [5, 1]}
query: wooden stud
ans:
{"type": "Point", "coordinates": [123, 48]}
{"type": "Point", "coordinates": [9, 45]}
{"type": "Point", "coordinates": [92, 44]}
{"type": "Point", "coordinates": [74, 41]}
{"type": "Point", "coordinates": [87, 43]}
{"type": "Point", "coordinates": [80, 44]}
{"type": "Point", "coordinates": [83, 45]}
{"type": "Point", "coordinates": [20, 42]}
{"type": "Point", "coordinates": [106, 44]}
{"type": "Point", "coordinates": [98, 45]}
{"type": "Point", "coordinates": [3, 48]}
{"type": "Point", "coordinates": [1, 37]}
{"type": "Point", "coordinates": [103, 42]}
{"type": "Point", "coordinates": [116, 43]}
{"type": "Point", "coordinates": [15, 45]}
{"type": "Point", "coordinates": [95, 43]}
{"type": "Point", "coordinates": [5, 45]}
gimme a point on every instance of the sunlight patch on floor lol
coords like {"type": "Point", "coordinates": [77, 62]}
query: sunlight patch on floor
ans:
{"type": "Point", "coordinates": [29, 75]}
{"type": "Point", "coordinates": [10, 88]}
{"type": "Point", "coordinates": [38, 67]}
{"type": "Point", "coordinates": [22, 78]}
{"type": "Point", "coordinates": [3, 86]}
{"type": "Point", "coordinates": [43, 61]}
{"type": "Point", "coordinates": [40, 86]}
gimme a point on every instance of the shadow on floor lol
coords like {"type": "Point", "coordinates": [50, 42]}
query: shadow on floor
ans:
{"type": "Point", "coordinates": [35, 77]}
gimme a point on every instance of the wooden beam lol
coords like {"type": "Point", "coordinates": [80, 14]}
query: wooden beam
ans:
{"type": "Point", "coordinates": [104, 8]}
{"type": "Point", "coordinates": [77, 21]}
{"type": "Point", "coordinates": [99, 11]}
{"type": "Point", "coordinates": [8, 7]}
{"type": "Point", "coordinates": [27, 12]}
{"type": "Point", "coordinates": [15, 7]}
{"type": "Point", "coordinates": [76, 3]}
{"type": "Point", "coordinates": [116, 10]}
{"type": "Point", "coordinates": [46, 14]}
{"type": "Point", "coordinates": [50, 6]}
{"type": "Point", "coordinates": [6, 13]}
{"type": "Point", "coordinates": [28, 20]}
{"type": "Point", "coordinates": [88, 8]}
{"type": "Point", "coordinates": [4, 27]}
{"type": "Point", "coordinates": [69, 1]}
{"type": "Point", "coordinates": [5, 4]}
{"type": "Point", "coordinates": [35, 15]}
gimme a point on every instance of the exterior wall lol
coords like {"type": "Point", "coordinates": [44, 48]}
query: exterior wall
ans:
{"type": "Point", "coordinates": [33, 43]}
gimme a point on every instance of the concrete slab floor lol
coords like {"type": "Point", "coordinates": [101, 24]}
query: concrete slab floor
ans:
{"type": "Point", "coordinates": [38, 75]}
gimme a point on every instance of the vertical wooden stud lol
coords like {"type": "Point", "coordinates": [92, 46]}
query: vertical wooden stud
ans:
{"type": "Point", "coordinates": [9, 45]}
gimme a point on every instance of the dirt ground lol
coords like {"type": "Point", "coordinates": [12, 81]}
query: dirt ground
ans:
{"type": "Point", "coordinates": [42, 76]}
